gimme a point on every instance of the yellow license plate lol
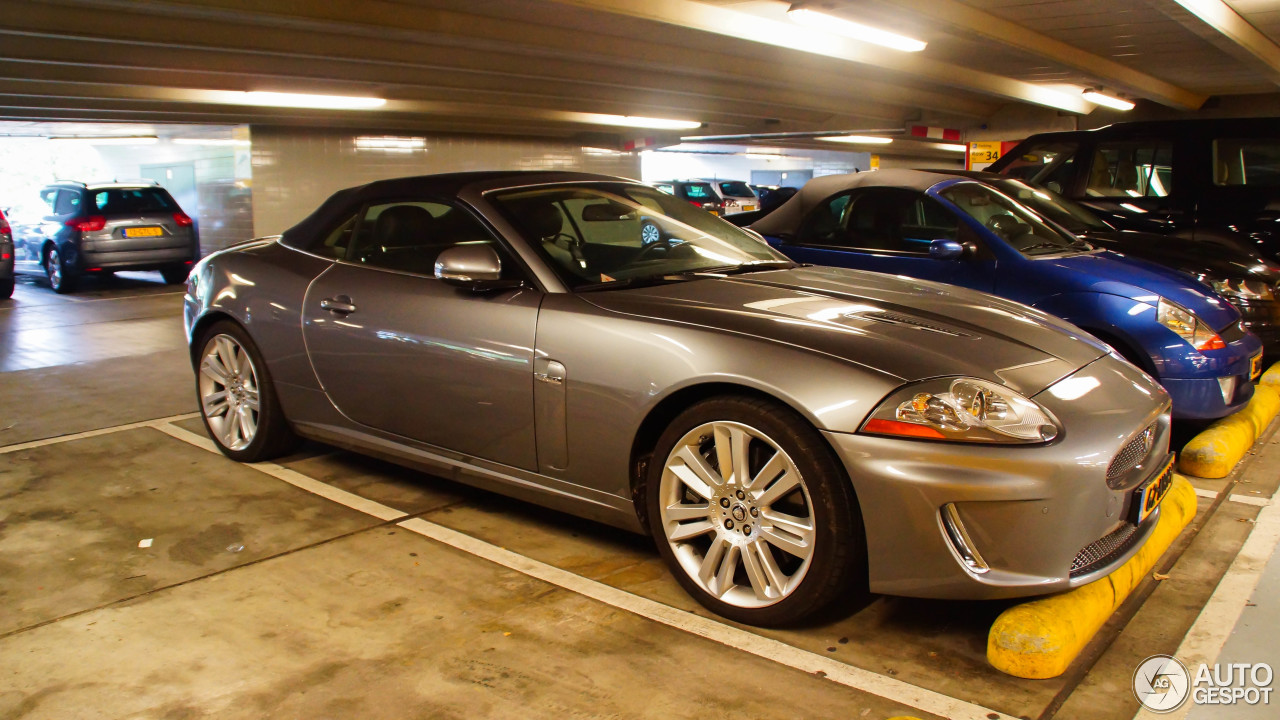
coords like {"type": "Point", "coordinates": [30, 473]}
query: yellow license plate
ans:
{"type": "Point", "coordinates": [1147, 497]}
{"type": "Point", "coordinates": [143, 232]}
{"type": "Point", "coordinates": [748, 208]}
{"type": "Point", "coordinates": [1255, 367]}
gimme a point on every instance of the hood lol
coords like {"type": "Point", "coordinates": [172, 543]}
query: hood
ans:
{"type": "Point", "coordinates": [1112, 274]}
{"type": "Point", "coordinates": [901, 327]}
{"type": "Point", "coordinates": [1218, 258]}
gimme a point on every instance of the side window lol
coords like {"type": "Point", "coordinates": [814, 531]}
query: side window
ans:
{"type": "Point", "coordinates": [68, 202]}
{"type": "Point", "coordinates": [825, 226]}
{"type": "Point", "coordinates": [408, 236]}
{"type": "Point", "coordinates": [1050, 164]}
{"type": "Point", "coordinates": [1131, 169]}
{"type": "Point", "coordinates": [894, 220]}
{"type": "Point", "coordinates": [338, 241]}
{"type": "Point", "coordinates": [48, 196]}
{"type": "Point", "coordinates": [1246, 162]}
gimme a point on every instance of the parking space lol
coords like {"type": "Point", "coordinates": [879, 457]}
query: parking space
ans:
{"type": "Point", "coordinates": [150, 577]}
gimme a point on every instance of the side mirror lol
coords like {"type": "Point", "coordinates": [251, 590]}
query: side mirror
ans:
{"type": "Point", "coordinates": [946, 250]}
{"type": "Point", "coordinates": [476, 267]}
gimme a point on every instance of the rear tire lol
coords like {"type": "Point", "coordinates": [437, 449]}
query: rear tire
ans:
{"type": "Point", "coordinates": [772, 550]}
{"type": "Point", "coordinates": [238, 403]}
{"type": "Point", "coordinates": [6, 288]}
{"type": "Point", "coordinates": [174, 274]}
{"type": "Point", "coordinates": [56, 272]}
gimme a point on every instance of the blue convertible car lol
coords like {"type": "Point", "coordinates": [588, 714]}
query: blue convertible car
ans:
{"type": "Point", "coordinates": [956, 230]}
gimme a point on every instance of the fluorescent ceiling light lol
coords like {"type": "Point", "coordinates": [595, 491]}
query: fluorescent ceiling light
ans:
{"type": "Point", "coordinates": [389, 142]}
{"type": "Point", "coordinates": [1098, 98]}
{"type": "Point", "coordinates": [635, 121]}
{"type": "Point", "coordinates": [90, 140]}
{"type": "Point", "coordinates": [857, 31]}
{"type": "Point", "coordinates": [209, 141]}
{"type": "Point", "coordinates": [588, 150]}
{"type": "Point", "coordinates": [952, 148]}
{"type": "Point", "coordinates": [293, 100]}
{"type": "Point", "coordinates": [858, 139]}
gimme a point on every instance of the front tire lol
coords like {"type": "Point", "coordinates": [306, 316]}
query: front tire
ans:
{"type": "Point", "coordinates": [753, 513]}
{"type": "Point", "coordinates": [174, 274]}
{"type": "Point", "coordinates": [237, 398]}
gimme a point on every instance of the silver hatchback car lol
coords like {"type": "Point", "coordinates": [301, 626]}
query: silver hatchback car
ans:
{"type": "Point", "coordinates": [787, 434]}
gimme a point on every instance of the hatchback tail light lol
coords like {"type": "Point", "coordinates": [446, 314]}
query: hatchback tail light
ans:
{"type": "Point", "coordinates": [182, 219]}
{"type": "Point", "coordinates": [92, 223]}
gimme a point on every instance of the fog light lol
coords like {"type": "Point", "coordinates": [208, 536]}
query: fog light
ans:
{"type": "Point", "coordinates": [961, 541]}
{"type": "Point", "coordinates": [1228, 386]}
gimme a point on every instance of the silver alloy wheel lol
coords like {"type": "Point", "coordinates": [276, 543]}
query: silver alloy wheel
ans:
{"type": "Point", "coordinates": [737, 514]}
{"type": "Point", "coordinates": [229, 392]}
{"type": "Point", "coordinates": [649, 234]}
{"type": "Point", "coordinates": [53, 267]}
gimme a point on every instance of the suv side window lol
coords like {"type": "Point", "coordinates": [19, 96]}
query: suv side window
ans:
{"type": "Point", "coordinates": [408, 236]}
{"type": "Point", "coordinates": [1246, 162]}
{"type": "Point", "coordinates": [68, 202]}
{"type": "Point", "coordinates": [49, 196]}
{"type": "Point", "coordinates": [1050, 164]}
{"type": "Point", "coordinates": [1131, 169]}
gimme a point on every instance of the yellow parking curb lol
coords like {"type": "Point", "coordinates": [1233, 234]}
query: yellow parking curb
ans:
{"type": "Point", "coordinates": [1215, 452]}
{"type": "Point", "coordinates": [1272, 376]}
{"type": "Point", "coordinates": [1040, 638]}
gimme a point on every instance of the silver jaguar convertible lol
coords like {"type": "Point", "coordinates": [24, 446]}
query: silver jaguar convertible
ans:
{"type": "Point", "coordinates": [789, 435]}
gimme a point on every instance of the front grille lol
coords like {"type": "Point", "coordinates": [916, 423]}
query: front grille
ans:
{"type": "Point", "coordinates": [1101, 552]}
{"type": "Point", "coordinates": [1130, 456]}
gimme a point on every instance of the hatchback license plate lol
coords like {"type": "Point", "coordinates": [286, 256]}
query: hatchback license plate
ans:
{"type": "Point", "coordinates": [1147, 497]}
{"type": "Point", "coordinates": [748, 208]}
{"type": "Point", "coordinates": [143, 232]}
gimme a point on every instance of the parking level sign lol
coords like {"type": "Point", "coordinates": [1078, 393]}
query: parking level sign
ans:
{"type": "Point", "coordinates": [983, 153]}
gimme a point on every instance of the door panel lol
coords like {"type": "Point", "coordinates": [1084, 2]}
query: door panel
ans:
{"type": "Point", "coordinates": [426, 360]}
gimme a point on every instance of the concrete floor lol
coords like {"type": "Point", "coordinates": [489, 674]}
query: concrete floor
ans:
{"type": "Point", "coordinates": [257, 598]}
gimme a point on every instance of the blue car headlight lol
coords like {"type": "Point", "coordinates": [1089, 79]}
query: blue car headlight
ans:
{"type": "Point", "coordinates": [963, 410]}
{"type": "Point", "coordinates": [1187, 326]}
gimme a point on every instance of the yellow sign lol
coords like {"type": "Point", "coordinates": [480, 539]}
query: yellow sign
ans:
{"type": "Point", "coordinates": [875, 162]}
{"type": "Point", "coordinates": [983, 153]}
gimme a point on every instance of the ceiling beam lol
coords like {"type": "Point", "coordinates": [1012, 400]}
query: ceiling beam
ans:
{"type": "Point", "coordinates": [972, 21]}
{"type": "Point", "coordinates": [780, 33]}
{"type": "Point", "coordinates": [1246, 41]}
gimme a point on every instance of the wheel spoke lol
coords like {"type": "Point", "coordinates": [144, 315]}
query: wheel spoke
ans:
{"type": "Point", "coordinates": [251, 399]}
{"type": "Point", "coordinates": [230, 429]}
{"type": "Point", "coordinates": [215, 404]}
{"type": "Point", "coordinates": [227, 354]}
{"type": "Point", "coordinates": [731, 453]}
{"type": "Point", "coordinates": [766, 578]}
{"type": "Point", "coordinates": [718, 566]}
{"type": "Point", "coordinates": [695, 473]}
{"type": "Point", "coordinates": [691, 529]}
{"type": "Point", "coordinates": [788, 533]}
{"type": "Point", "coordinates": [248, 424]}
{"type": "Point", "coordinates": [680, 513]}
{"type": "Point", "coordinates": [772, 469]}
{"type": "Point", "coordinates": [775, 492]}
{"type": "Point", "coordinates": [212, 366]}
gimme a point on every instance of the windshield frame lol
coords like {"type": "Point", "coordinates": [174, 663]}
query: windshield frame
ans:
{"type": "Point", "coordinates": [1079, 219]}
{"type": "Point", "coordinates": [1065, 242]}
{"type": "Point", "coordinates": [745, 250]}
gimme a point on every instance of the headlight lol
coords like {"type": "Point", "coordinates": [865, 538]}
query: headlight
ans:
{"type": "Point", "coordinates": [1187, 326]}
{"type": "Point", "coordinates": [1244, 289]}
{"type": "Point", "coordinates": [963, 410]}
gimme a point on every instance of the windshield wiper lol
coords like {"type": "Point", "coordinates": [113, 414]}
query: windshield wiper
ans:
{"type": "Point", "coordinates": [631, 282]}
{"type": "Point", "coordinates": [747, 267]}
{"type": "Point", "coordinates": [1045, 246]}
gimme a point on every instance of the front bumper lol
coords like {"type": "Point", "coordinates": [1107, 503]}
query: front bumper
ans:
{"type": "Point", "coordinates": [1031, 511]}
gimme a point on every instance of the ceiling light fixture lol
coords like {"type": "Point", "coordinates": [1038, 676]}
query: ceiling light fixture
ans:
{"type": "Point", "coordinates": [117, 140]}
{"type": "Point", "coordinates": [210, 141]}
{"type": "Point", "coordinates": [1100, 98]}
{"type": "Point", "coordinates": [857, 139]}
{"type": "Point", "coordinates": [292, 100]}
{"type": "Point", "coordinates": [856, 31]}
{"type": "Point", "coordinates": [952, 147]}
{"type": "Point", "coordinates": [389, 142]}
{"type": "Point", "coordinates": [635, 121]}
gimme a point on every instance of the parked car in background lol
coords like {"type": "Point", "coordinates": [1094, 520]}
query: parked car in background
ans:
{"type": "Point", "coordinates": [698, 193]}
{"type": "Point", "coordinates": [1243, 276]}
{"type": "Point", "coordinates": [737, 196]}
{"type": "Point", "coordinates": [953, 229]}
{"type": "Point", "coordinates": [771, 196]}
{"type": "Point", "coordinates": [6, 258]}
{"type": "Point", "coordinates": [1199, 179]}
{"type": "Point", "coordinates": [102, 228]}
{"type": "Point", "coordinates": [786, 434]}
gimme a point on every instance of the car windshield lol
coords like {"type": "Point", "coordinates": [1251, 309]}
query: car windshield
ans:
{"type": "Point", "coordinates": [1068, 214]}
{"type": "Point", "coordinates": [1021, 228]}
{"type": "Point", "coordinates": [607, 235]}
{"type": "Point", "coordinates": [735, 188]}
{"type": "Point", "coordinates": [133, 200]}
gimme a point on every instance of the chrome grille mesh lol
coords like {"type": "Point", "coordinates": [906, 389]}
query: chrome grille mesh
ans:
{"type": "Point", "coordinates": [1130, 455]}
{"type": "Point", "coordinates": [1103, 551]}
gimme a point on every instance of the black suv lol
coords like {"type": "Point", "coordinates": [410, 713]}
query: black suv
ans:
{"type": "Point", "coordinates": [1202, 179]}
{"type": "Point", "coordinates": [104, 227]}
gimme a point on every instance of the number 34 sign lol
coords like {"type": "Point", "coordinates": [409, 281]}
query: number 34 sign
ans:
{"type": "Point", "coordinates": [984, 153]}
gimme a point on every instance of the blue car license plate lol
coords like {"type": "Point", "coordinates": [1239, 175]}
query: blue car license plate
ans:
{"type": "Point", "coordinates": [1147, 496]}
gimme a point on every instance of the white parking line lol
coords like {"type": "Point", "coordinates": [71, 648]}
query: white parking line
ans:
{"type": "Point", "coordinates": [1243, 499]}
{"type": "Point", "coordinates": [1204, 641]}
{"type": "Point", "coordinates": [762, 647]}
{"type": "Point", "coordinates": [95, 433]}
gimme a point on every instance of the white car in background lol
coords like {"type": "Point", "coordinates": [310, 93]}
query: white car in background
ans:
{"type": "Point", "coordinates": [737, 195]}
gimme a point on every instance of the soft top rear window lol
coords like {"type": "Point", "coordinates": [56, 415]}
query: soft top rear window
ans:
{"type": "Point", "coordinates": [133, 200]}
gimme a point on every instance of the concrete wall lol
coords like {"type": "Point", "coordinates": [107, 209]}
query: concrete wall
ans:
{"type": "Point", "coordinates": [296, 169]}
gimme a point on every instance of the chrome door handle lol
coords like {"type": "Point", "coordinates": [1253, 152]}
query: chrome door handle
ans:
{"type": "Point", "coordinates": [341, 305]}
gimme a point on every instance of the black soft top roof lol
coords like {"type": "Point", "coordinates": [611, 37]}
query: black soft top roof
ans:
{"type": "Point", "coordinates": [339, 205]}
